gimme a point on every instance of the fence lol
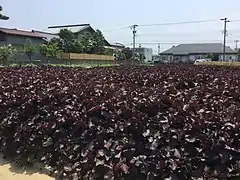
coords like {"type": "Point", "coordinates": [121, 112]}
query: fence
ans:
{"type": "Point", "coordinates": [75, 58]}
{"type": "Point", "coordinates": [71, 58]}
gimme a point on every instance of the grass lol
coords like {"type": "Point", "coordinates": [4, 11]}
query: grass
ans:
{"type": "Point", "coordinates": [219, 63]}
{"type": "Point", "coordinates": [64, 65]}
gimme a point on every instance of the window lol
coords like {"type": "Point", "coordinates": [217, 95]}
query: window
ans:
{"type": "Point", "coordinates": [2, 37]}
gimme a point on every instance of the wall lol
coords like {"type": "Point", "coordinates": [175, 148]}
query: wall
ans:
{"type": "Point", "coordinates": [147, 52]}
{"type": "Point", "coordinates": [166, 58]}
{"type": "Point", "coordinates": [18, 43]}
{"type": "Point", "coordinates": [184, 58]}
{"type": "Point", "coordinates": [229, 58]}
{"type": "Point", "coordinates": [2, 38]}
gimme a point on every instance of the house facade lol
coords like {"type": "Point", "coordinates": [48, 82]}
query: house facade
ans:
{"type": "Point", "coordinates": [18, 38]}
{"type": "Point", "coordinates": [145, 54]}
{"type": "Point", "coordinates": [192, 52]}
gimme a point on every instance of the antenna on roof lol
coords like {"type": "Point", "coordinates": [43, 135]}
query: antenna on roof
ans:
{"type": "Point", "coordinates": [66, 26]}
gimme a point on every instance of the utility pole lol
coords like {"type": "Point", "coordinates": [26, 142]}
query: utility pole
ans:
{"type": "Point", "coordinates": [224, 36]}
{"type": "Point", "coordinates": [159, 48]}
{"type": "Point", "coordinates": [237, 50]}
{"type": "Point", "coordinates": [237, 41]}
{"type": "Point", "coordinates": [134, 39]}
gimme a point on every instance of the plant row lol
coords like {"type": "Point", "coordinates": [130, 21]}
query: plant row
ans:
{"type": "Point", "coordinates": [124, 123]}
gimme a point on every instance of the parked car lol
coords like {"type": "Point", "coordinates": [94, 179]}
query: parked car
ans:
{"type": "Point", "coordinates": [201, 60]}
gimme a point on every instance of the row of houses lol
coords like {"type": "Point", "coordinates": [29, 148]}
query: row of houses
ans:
{"type": "Point", "coordinates": [192, 52]}
{"type": "Point", "coordinates": [18, 38]}
{"type": "Point", "coordinates": [184, 53]}
{"type": "Point", "coordinates": [180, 53]}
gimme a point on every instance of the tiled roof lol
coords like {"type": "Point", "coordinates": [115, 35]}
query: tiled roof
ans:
{"type": "Point", "coordinates": [20, 32]}
{"type": "Point", "coordinates": [184, 49]}
{"type": "Point", "coordinates": [48, 36]}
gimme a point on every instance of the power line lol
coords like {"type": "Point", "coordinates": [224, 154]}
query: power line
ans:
{"type": "Point", "coordinates": [176, 23]}
{"type": "Point", "coordinates": [165, 24]}
{"type": "Point", "coordinates": [162, 24]}
{"type": "Point", "coordinates": [234, 32]}
{"type": "Point", "coordinates": [233, 21]}
{"type": "Point", "coordinates": [176, 34]}
{"type": "Point", "coordinates": [116, 29]}
{"type": "Point", "coordinates": [182, 42]}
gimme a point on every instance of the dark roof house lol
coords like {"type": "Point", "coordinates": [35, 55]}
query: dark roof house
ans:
{"type": "Point", "coordinates": [48, 36]}
{"type": "Point", "coordinates": [204, 48]}
{"type": "Point", "coordinates": [90, 30]}
{"type": "Point", "coordinates": [17, 32]}
{"type": "Point", "coordinates": [18, 38]}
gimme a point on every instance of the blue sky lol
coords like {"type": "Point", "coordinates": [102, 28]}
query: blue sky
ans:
{"type": "Point", "coordinates": [108, 15]}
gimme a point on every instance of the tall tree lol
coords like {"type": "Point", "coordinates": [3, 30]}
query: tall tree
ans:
{"type": "Point", "coordinates": [86, 42]}
{"type": "Point", "coordinates": [50, 50]}
{"type": "Point", "coordinates": [128, 53]}
{"type": "Point", "coordinates": [3, 17]}
{"type": "Point", "coordinates": [98, 42]}
{"type": "Point", "coordinates": [29, 49]}
{"type": "Point", "coordinates": [81, 42]}
{"type": "Point", "coordinates": [67, 38]}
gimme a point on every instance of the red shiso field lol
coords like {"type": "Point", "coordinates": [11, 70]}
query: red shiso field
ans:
{"type": "Point", "coordinates": [123, 123]}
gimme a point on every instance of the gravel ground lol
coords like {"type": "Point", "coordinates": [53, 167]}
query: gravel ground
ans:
{"type": "Point", "coordinates": [10, 172]}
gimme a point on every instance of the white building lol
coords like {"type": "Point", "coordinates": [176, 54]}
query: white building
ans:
{"type": "Point", "coordinates": [144, 54]}
{"type": "Point", "coordinates": [192, 52]}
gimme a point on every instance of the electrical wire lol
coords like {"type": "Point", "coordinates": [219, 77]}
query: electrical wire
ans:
{"type": "Point", "coordinates": [116, 29]}
{"type": "Point", "coordinates": [182, 42]}
{"type": "Point", "coordinates": [177, 23]}
{"type": "Point", "coordinates": [233, 21]}
{"type": "Point", "coordinates": [162, 24]}
{"type": "Point", "coordinates": [177, 34]}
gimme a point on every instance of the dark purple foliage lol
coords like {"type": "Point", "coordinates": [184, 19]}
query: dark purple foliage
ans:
{"type": "Point", "coordinates": [166, 122]}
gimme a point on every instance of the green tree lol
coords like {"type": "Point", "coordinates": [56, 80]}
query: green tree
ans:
{"type": "Point", "coordinates": [98, 42]}
{"type": "Point", "coordinates": [109, 52]}
{"type": "Point", "coordinates": [29, 49]}
{"type": "Point", "coordinates": [6, 52]}
{"type": "Point", "coordinates": [57, 41]}
{"type": "Point", "coordinates": [3, 17]}
{"type": "Point", "coordinates": [142, 57]}
{"type": "Point", "coordinates": [119, 55]}
{"type": "Point", "coordinates": [67, 39]}
{"type": "Point", "coordinates": [50, 50]}
{"type": "Point", "coordinates": [128, 53]}
{"type": "Point", "coordinates": [210, 56]}
{"type": "Point", "coordinates": [86, 42]}
{"type": "Point", "coordinates": [79, 42]}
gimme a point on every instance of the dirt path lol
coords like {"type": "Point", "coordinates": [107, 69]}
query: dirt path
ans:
{"type": "Point", "coordinates": [10, 172]}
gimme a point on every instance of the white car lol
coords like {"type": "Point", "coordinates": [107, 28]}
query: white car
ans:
{"type": "Point", "coordinates": [201, 60]}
